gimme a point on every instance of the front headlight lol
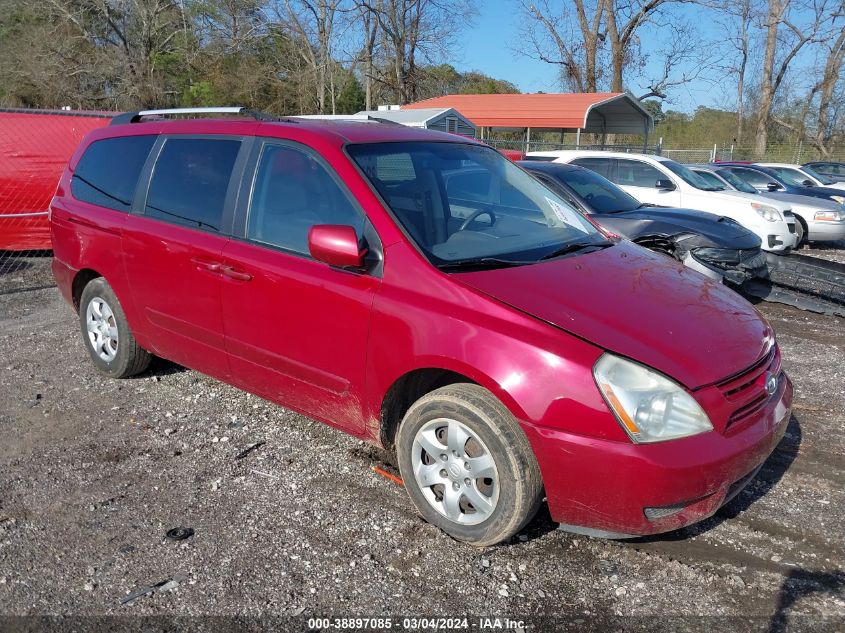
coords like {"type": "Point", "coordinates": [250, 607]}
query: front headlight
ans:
{"type": "Point", "coordinates": [649, 406]}
{"type": "Point", "coordinates": [828, 216]}
{"type": "Point", "coordinates": [768, 212]}
{"type": "Point", "coordinates": [839, 199]}
{"type": "Point", "coordinates": [718, 256]}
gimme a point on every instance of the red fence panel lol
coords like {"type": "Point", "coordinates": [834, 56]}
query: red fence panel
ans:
{"type": "Point", "coordinates": [35, 145]}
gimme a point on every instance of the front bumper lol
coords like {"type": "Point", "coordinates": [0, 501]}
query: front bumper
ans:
{"type": "Point", "coordinates": [818, 231]}
{"type": "Point", "coordinates": [732, 266]}
{"type": "Point", "coordinates": [776, 237]}
{"type": "Point", "coordinates": [604, 487]}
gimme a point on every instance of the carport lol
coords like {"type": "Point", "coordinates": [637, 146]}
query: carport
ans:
{"type": "Point", "coordinates": [598, 112]}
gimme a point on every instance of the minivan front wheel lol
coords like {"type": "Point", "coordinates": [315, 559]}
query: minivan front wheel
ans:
{"type": "Point", "coordinates": [467, 465]}
{"type": "Point", "coordinates": [106, 333]}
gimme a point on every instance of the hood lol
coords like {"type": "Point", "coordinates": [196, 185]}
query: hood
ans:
{"type": "Point", "coordinates": [721, 232]}
{"type": "Point", "coordinates": [638, 304]}
{"type": "Point", "coordinates": [736, 196]}
{"type": "Point", "coordinates": [814, 192]}
{"type": "Point", "coordinates": [798, 201]}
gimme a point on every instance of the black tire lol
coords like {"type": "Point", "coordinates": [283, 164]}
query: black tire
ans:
{"type": "Point", "coordinates": [520, 486]}
{"type": "Point", "coordinates": [800, 232]}
{"type": "Point", "coordinates": [129, 359]}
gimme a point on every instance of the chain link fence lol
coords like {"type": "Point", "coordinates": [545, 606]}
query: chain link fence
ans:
{"type": "Point", "coordinates": [795, 153]}
{"type": "Point", "coordinates": [35, 146]}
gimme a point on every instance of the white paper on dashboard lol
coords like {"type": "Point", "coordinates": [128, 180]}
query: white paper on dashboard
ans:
{"type": "Point", "coordinates": [565, 215]}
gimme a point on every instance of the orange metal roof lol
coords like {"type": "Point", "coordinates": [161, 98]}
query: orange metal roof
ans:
{"type": "Point", "coordinates": [554, 111]}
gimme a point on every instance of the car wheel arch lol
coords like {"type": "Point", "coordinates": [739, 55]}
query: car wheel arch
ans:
{"type": "Point", "coordinates": [80, 280]}
{"type": "Point", "coordinates": [415, 383]}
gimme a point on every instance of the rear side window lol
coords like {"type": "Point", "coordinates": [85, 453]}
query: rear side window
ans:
{"type": "Point", "coordinates": [108, 171]}
{"type": "Point", "coordinates": [598, 165]}
{"type": "Point", "coordinates": [190, 181]}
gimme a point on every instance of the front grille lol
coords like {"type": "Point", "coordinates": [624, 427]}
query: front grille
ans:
{"type": "Point", "coordinates": [747, 390]}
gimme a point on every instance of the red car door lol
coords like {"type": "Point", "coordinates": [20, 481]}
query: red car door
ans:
{"type": "Point", "coordinates": [296, 329]}
{"type": "Point", "coordinates": [173, 251]}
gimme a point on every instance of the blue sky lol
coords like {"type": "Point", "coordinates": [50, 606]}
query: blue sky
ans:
{"type": "Point", "coordinates": [489, 47]}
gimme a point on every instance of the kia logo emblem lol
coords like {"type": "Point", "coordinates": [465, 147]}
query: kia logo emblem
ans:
{"type": "Point", "coordinates": [771, 384]}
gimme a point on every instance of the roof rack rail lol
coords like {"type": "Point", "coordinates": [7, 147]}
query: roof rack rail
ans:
{"type": "Point", "coordinates": [136, 117]}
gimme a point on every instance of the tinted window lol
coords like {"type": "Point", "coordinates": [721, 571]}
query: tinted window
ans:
{"type": "Point", "coordinates": [190, 180]}
{"type": "Point", "coordinates": [711, 179]}
{"type": "Point", "coordinates": [601, 195]}
{"type": "Point", "coordinates": [735, 181]}
{"type": "Point", "coordinates": [598, 165]}
{"type": "Point", "coordinates": [292, 193]}
{"type": "Point", "coordinates": [108, 171]}
{"type": "Point", "coordinates": [690, 177]}
{"type": "Point", "coordinates": [636, 174]}
{"type": "Point", "coordinates": [756, 178]}
{"type": "Point", "coordinates": [791, 176]}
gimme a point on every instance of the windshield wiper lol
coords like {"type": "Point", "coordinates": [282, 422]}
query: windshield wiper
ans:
{"type": "Point", "coordinates": [574, 247]}
{"type": "Point", "coordinates": [481, 263]}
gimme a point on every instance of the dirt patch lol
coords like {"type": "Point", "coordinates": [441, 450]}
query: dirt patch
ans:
{"type": "Point", "coordinates": [94, 472]}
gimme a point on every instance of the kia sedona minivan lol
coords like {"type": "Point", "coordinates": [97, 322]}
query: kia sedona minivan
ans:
{"type": "Point", "coordinates": [504, 347]}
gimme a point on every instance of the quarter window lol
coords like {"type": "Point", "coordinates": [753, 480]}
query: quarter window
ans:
{"type": "Point", "coordinates": [633, 173]}
{"type": "Point", "coordinates": [293, 191]}
{"type": "Point", "coordinates": [107, 173]}
{"type": "Point", "coordinates": [190, 181]}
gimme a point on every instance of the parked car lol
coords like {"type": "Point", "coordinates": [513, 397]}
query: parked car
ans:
{"type": "Point", "coordinates": [716, 246]}
{"type": "Point", "coordinates": [834, 171]}
{"type": "Point", "coordinates": [819, 220]}
{"type": "Point", "coordinates": [766, 179]}
{"type": "Point", "coordinates": [663, 182]}
{"type": "Point", "coordinates": [804, 176]}
{"type": "Point", "coordinates": [323, 266]}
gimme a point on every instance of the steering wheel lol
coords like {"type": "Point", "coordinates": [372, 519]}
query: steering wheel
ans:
{"type": "Point", "coordinates": [478, 213]}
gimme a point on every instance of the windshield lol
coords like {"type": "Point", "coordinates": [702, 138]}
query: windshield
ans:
{"type": "Point", "coordinates": [735, 181]}
{"type": "Point", "coordinates": [460, 201]}
{"type": "Point", "coordinates": [820, 177]}
{"type": "Point", "coordinates": [790, 176]}
{"type": "Point", "coordinates": [690, 177]}
{"type": "Point", "coordinates": [601, 195]}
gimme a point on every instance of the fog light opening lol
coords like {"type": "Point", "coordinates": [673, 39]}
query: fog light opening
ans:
{"type": "Point", "coordinates": [655, 514]}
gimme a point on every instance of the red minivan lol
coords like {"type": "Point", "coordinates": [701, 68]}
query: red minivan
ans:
{"type": "Point", "coordinates": [420, 291]}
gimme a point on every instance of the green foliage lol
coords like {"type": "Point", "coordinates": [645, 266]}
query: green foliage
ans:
{"type": "Point", "coordinates": [704, 128]}
{"type": "Point", "coordinates": [444, 79]}
{"type": "Point", "coordinates": [351, 98]}
{"type": "Point", "coordinates": [655, 108]}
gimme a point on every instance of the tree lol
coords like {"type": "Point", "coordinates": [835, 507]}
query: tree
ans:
{"type": "Point", "coordinates": [571, 41]}
{"type": "Point", "coordinates": [587, 36]}
{"type": "Point", "coordinates": [414, 29]}
{"type": "Point", "coordinates": [737, 27]}
{"type": "Point", "coordinates": [785, 37]}
{"type": "Point", "coordinates": [351, 98]}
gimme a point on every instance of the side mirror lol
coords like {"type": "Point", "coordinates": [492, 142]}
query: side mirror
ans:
{"type": "Point", "coordinates": [808, 183]}
{"type": "Point", "coordinates": [665, 185]}
{"type": "Point", "coordinates": [773, 186]}
{"type": "Point", "coordinates": [336, 245]}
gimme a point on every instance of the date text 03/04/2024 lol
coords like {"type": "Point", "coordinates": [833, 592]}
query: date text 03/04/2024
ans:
{"type": "Point", "coordinates": [418, 624]}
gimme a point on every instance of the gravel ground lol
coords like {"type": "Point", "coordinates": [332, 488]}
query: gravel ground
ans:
{"type": "Point", "coordinates": [94, 472]}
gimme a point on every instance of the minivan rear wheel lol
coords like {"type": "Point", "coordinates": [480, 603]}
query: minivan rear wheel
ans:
{"type": "Point", "coordinates": [467, 465]}
{"type": "Point", "coordinates": [106, 333]}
